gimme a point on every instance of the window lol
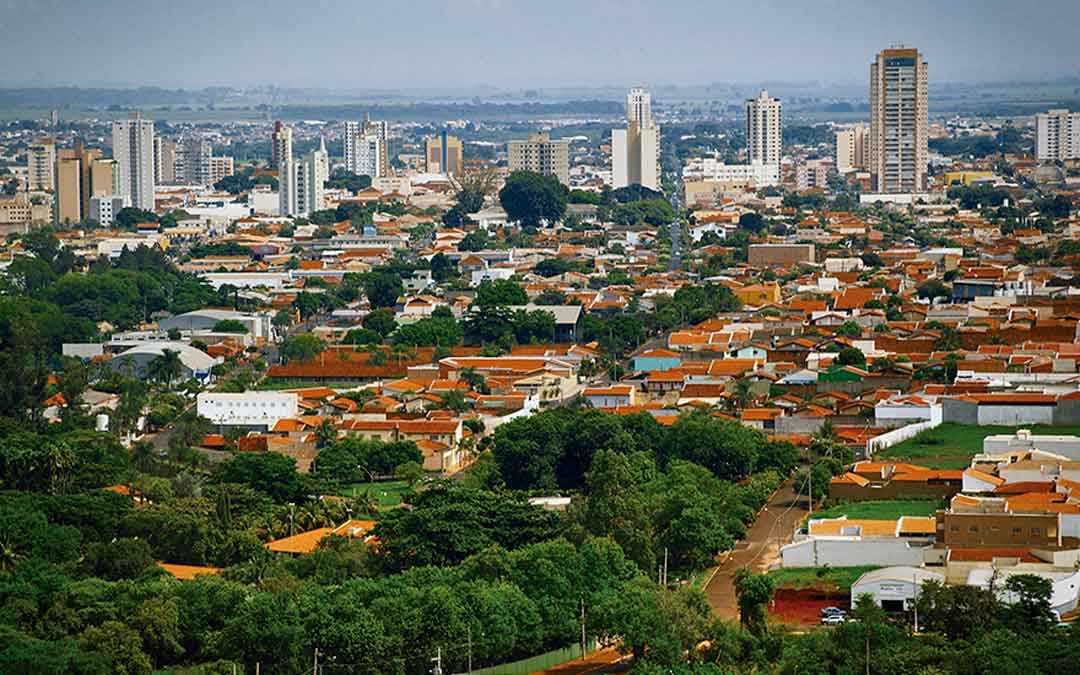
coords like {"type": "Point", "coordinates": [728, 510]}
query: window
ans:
{"type": "Point", "coordinates": [1017, 531]}
{"type": "Point", "coordinates": [1036, 531]}
{"type": "Point", "coordinates": [973, 529]}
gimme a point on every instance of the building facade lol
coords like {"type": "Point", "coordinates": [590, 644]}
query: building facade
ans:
{"type": "Point", "coordinates": [364, 151]}
{"type": "Point", "coordinates": [851, 148]}
{"type": "Point", "coordinates": [898, 134]}
{"type": "Point", "coordinates": [281, 145]}
{"type": "Point", "coordinates": [301, 183]}
{"type": "Point", "coordinates": [541, 155]}
{"type": "Point", "coordinates": [193, 157]}
{"type": "Point", "coordinates": [220, 167]}
{"type": "Point", "coordinates": [164, 161]}
{"type": "Point", "coordinates": [443, 155]}
{"type": "Point", "coordinates": [763, 129]}
{"type": "Point", "coordinates": [40, 160]}
{"type": "Point", "coordinates": [635, 150]}
{"type": "Point", "coordinates": [81, 174]}
{"type": "Point", "coordinates": [133, 150]}
{"type": "Point", "coordinates": [104, 208]}
{"type": "Point", "coordinates": [1057, 135]}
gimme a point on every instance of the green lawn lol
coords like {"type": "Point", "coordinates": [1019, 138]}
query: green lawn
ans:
{"type": "Point", "coordinates": [807, 577]}
{"type": "Point", "coordinates": [881, 510]}
{"type": "Point", "coordinates": [387, 493]}
{"type": "Point", "coordinates": [950, 446]}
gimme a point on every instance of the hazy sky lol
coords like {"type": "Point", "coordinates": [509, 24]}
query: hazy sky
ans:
{"type": "Point", "coordinates": [523, 43]}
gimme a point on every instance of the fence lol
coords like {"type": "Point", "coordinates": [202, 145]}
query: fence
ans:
{"type": "Point", "coordinates": [539, 662]}
{"type": "Point", "coordinates": [891, 438]}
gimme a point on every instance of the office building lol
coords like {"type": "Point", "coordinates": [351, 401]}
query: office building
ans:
{"type": "Point", "coordinates": [104, 209]}
{"type": "Point", "coordinates": [813, 173]}
{"type": "Point", "coordinates": [40, 159]}
{"type": "Point", "coordinates": [542, 155]}
{"type": "Point", "coordinates": [898, 137]}
{"type": "Point", "coordinates": [712, 169]}
{"type": "Point", "coordinates": [1057, 135]}
{"type": "Point", "coordinates": [164, 161]}
{"type": "Point", "coordinates": [133, 150]}
{"type": "Point", "coordinates": [442, 154]}
{"type": "Point", "coordinates": [635, 150]}
{"type": "Point", "coordinates": [763, 129]}
{"type": "Point", "coordinates": [81, 174]}
{"type": "Point", "coordinates": [220, 167]}
{"type": "Point", "coordinates": [851, 148]}
{"type": "Point", "coordinates": [301, 183]}
{"type": "Point", "coordinates": [281, 145]}
{"type": "Point", "coordinates": [365, 148]}
{"type": "Point", "coordinates": [193, 161]}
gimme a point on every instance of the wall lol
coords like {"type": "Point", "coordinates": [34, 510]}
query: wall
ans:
{"type": "Point", "coordinates": [853, 551]}
{"type": "Point", "coordinates": [1014, 415]}
{"type": "Point", "coordinates": [960, 412]}
{"type": "Point", "coordinates": [891, 438]}
{"type": "Point", "coordinates": [897, 489]}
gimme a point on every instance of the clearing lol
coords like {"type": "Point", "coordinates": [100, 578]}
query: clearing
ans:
{"type": "Point", "coordinates": [951, 446]}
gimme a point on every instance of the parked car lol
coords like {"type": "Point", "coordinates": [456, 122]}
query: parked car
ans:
{"type": "Point", "coordinates": [833, 619]}
{"type": "Point", "coordinates": [829, 611]}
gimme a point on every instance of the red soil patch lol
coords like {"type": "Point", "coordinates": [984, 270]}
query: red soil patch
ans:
{"type": "Point", "coordinates": [803, 607]}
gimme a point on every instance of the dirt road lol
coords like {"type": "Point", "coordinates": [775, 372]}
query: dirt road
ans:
{"type": "Point", "coordinates": [601, 661]}
{"type": "Point", "coordinates": [773, 528]}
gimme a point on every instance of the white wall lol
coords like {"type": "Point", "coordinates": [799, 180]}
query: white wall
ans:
{"type": "Point", "coordinates": [252, 408]}
{"type": "Point", "coordinates": [851, 551]}
{"type": "Point", "coordinates": [1011, 416]}
{"type": "Point", "coordinates": [891, 438]}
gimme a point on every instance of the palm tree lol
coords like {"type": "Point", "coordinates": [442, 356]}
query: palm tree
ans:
{"type": "Point", "coordinates": [742, 392]}
{"type": "Point", "coordinates": [143, 456]}
{"type": "Point", "coordinates": [10, 553]}
{"type": "Point", "coordinates": [166, 367]}
{"type": "Point", "coordinates": [325, 433]}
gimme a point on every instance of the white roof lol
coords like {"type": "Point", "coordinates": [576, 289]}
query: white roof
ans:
{"type": "Point", "coordinates": [194, 359]}
{"type": "Point", "coordinates": [899, 573]}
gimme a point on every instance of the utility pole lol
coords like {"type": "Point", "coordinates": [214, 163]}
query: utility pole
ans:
{"type": "Point", "coordinates": [468, 634]}
{"type": "Point", "coordinates": [315, 667]}
{"type": "Point", "coordinates": [584, 642]}
{"type": "Point", "coordinates": [810, 476]}
{"type": "Point", "coordinates": [437, 670]}
{"type": "Point", "coordinates": [665, 567]}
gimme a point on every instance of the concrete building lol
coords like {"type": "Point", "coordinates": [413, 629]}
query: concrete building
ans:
{"type": "Point", "coordinates": [755, 174]}
{"type": "Point", "coordinates": [1057, 135]}
{"type": "Point", "coordinates": [301, 183]}
{"type": "Point", "coordinates": [250, 409]}
{"type": "Point", "coordinates": [541, 155]}
{"type": "Point", "coordinates": [635, 150]}
{"type": "Point", "coordinates": [193, 161]}
{"type": "Point", "coordinates": [763, 130]}
{"type": "Point", "coordinates": [851, 148]}
{"type": "Point", "coordinates": [366, 148]}
{"type": "Point", "coordinates": [220, 167]}
{"type": "Point", "coordinates": [281, 145]}
{"type": "Point", "coordinates": [133, 150]}
{"type": "Point", "coordinates": [894, 589]}
{"type": "Point", "coordinates": [258, 325]}
{"type": "Point", "coordinates": [780, 254]}
{"type": "Point", "coordinates": [104, 208]}
{"type": "Point", "coordinates": [19, 212]}
{"type": "Point", "coordinates": [136, 361]}
{"type": "Point", "coordinates": [845, 542]}
{"type": "Point", "coordinates": [898, 135]}
{"type": "Point", "coordinates": [164, 161]}
{"type": "Point", "coordinates": [442, 154]}
{"type": "Point", "coordinates": [40, 160]}
{"type": "Point", "coordinates": [813, 173]}
{"type": "Point", "coordinates": [81, 174]}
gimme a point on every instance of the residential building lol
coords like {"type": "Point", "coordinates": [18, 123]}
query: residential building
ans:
{"type": "Point", "coordinates": [898, 137]}
{"type": "Point", "coordinates": [259, 409]}
{"type": "Point", "coordinates": [104, 208]}
{"type": "Point", "coordinates": [1057, 135]}
{"type": "Point", "coordinates": [133, 150]}
{"type": "Point", "coordinates": [851, 148]}
{"type": "Point", "coordinates": [301, 183]}
{"type": "Point", "coordinates": [443, 155]}
{"type": "Point", "coordinates": [81, 174]}
{"type": "Point", "coordinates": [40, 160]}
{"type": "Point", "coordinates": [710, 169]}
{"type": "Point", "coordinates": [813, 173]}
{"type": "Point", "coordinates": [19, 211]}
{"type": "Point", "coordinates": [763, 132]}
{"type": "Point", "coordinates": [542, 155]}
{"type": "Point", "coordinates": [780, 254]}
{"type": "Point", "coordinates": [363, 151]}
{"type": "Point", "coordinates": [635, 150]}
{"type": "Point", "coordinates": [164, 161]}
{"type": "Point", "coordinates": [220, 167]}
{"type": "Point", "coordinates": [193, 161]}
{"type": "Point", "coordinates": [281, 145]}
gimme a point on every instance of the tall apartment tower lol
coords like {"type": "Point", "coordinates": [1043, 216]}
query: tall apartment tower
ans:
{"type": "Point", "coordinates": [301, 183]}
{"type": "Point", "coordinates": [365, 148]}
{"type": "Point", "coordinates": [763, 129]}
{"type": "Point", "coordinates": [851, 148]}
{"type": "Point", "coordinates": [1057, 135]}
{"type": "Point", "coordinates": [898, 140]}
{"type": "Point", "coordinates": [635, 150]}
{"type": "Point", "coordinates": [380, 130]}
{"type": "Point", "coordinates": [40, 160]}
{"type": "Point", "coordinates": [443, 154]}
{"type": "Point", "coordinates": [164, 161]}
{"type": "Point", "coordinates": [540, 154]}
{"type": "Point", "coordinates": [81, 175]}
{"type": "Point", "coordinates": [281, 146]}
{"type": "Point", "coordinates": [133, 150]}
{"type": "Point", "coordinates": [193, 156]}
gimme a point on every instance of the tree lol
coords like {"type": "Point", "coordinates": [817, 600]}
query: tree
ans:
{"type": "Point", "coordinates": [477, 240]}
{"type": "Point", "coordinates": [470, 199]}
{"type": "Point", "coordinates": [957, 612]}
{"type": "Point", "coordinates": [500, 292]}
{"type": "Point", "coordinates": [272, 473]}
{"type": "Point", "coordinates": [119, 646]}
{"type": "Point", "coordinates": [653, 624]}
{"type": "Point", "coordinates": [1028, 609]}
{"type": "Point", "coordinates": [754, 593]}
{"type": "Point", "coordinates": [230, 326]}
{"type": "Point", "coordinates": [165, 367]}
{"type": "Point", "coordinates": [381, 321]}
{"type": "Point", "coordinates": [752, 222]}
{"type": "Point", "coordinates": [383, 288]}
{"type": "Point", "coordinates": [531, 198]}
{"type": "Point", "coordinates": [851, 356]}
{"type": "Point", "coordinates": [849, 329]}
{"type": "Point", "coordinates": [301, 348]}
{"type": "Point", "coordinates": [932, 289]}
{"type": "Point", "coordinates": [617, 508]}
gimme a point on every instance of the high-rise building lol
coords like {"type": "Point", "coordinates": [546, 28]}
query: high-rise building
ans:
{"type": "Point", "coordinates": [364, 149]}
{"type": "Point", "coordinates": [193, 161]}
{"type": "Point", "coordinates": [81, 174]}
{"type": "Point", "coordinates": [133, 150]}
{"type": "Point", "coordinates": [281, 149]}
{"type": "Point", "coordinates": [164, 161]}
{"type": "Point", "coordinates": [540, 154]}
{"type": "Point", "coordinates": [381, 131]}
{"type": "Point", "coordinates": [220, 167]}
{"type": "Point", "coordinates": [1057, 135]}
{"type": "Point", "coordinates": [301, 183]}
{"type": "Point", "coordinates": [635, 150]}
{"type": "Point", "coordinates": [763, 129]}
{"type": "Point", "coordinates": [104, 209]}
{"type": "Point", "coordinates": [898, 137]}
{"type": "Point", "coordinates": [443, 155]}
{"type": "Point", "coordinates": [851, 148]}
{"type": "Point", "coordinates": [40, 160]}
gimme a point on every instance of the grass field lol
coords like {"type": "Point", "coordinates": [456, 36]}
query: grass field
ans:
{"type": "Point", "coordinates": [808, 577]}
{"type": "Point", "coordinates": [950, 446]}
{"type": "Point", "coordinates": [388, 493]}
{"type": "Point", "coordinates": [881, 510]}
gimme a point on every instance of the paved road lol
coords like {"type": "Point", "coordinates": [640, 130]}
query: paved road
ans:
{"type": "Point", "coordinates": [773, 528]}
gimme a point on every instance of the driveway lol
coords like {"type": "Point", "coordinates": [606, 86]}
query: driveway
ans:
{"type": "Point", "coordinates": [772, 529]}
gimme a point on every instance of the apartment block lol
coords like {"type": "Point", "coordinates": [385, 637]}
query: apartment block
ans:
{"type": "Point", "coordinates": [541, 155]}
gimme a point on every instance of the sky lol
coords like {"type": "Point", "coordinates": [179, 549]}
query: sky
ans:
{"type": "Point", "coordinates": [523, 43]}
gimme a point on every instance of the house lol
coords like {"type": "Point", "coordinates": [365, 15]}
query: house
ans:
{"type": "Point", "coordinates": [615, 396]}
{"type": "Point", "coordinates": [894, 589]}
{"type": "Point", "coordinates": [657, 360]}
{"type": "Point", "coordinates": [844, 542]}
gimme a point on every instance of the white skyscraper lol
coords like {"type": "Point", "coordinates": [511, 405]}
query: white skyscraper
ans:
{"type": "Point", "coordinates": [763, 130]}
{"type": "Point", "coordinates": [301, 183]}
{"type": "Point", "coordinates": [281, 144]}
{"type": "Point", "coordinates": [133, 150]}
{"type": "Point", "coordinates": [851, 148]}
{"type": "Point", "coordinates": [1057, 135]}
{"type": "Point", "coordinates": [364, 148]}
{"type": "Point", "coordinates": [897, 153]}
{"type": "Point", "coordinates": [635, 150]}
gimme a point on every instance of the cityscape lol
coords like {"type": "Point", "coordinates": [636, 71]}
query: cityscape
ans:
{"type": "Point", "coordinates": [541, 354]}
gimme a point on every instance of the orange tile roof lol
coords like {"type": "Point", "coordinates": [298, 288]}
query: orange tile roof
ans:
{"type": "Point", "coordinates": [188, 572]}
{"type": "Point", "coordinates": [869, 528]}
{"type": "Point", "coordinates": [305, 542]}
